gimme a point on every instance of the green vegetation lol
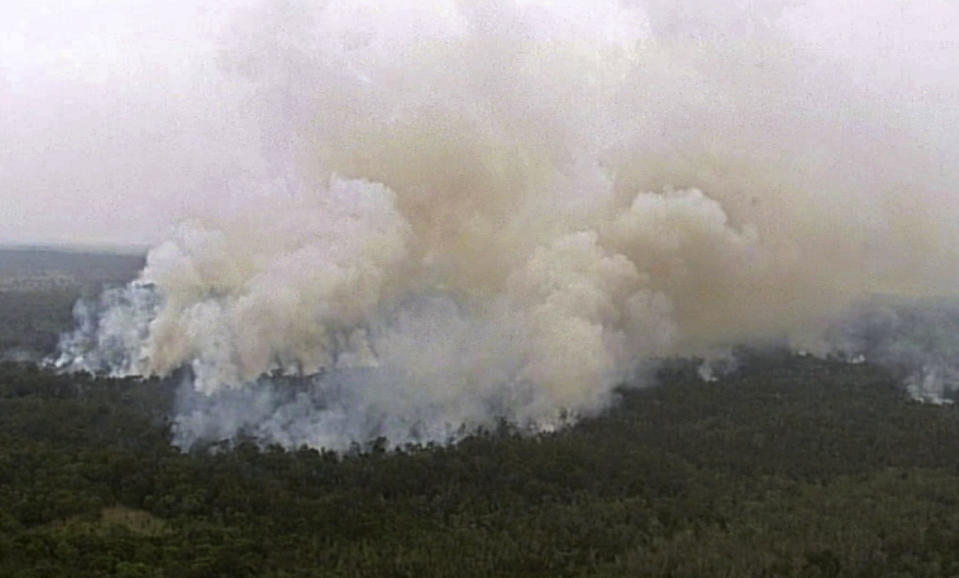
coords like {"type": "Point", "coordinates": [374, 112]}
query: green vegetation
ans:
{"type": "Point", "coordinates": [791, 467]}
{"type": "Point", "coordinates": [795, 467]}
{"type": "Point", "coordinates": [31, 320]}
{"type": "Point", "coordinates": [38, 289]}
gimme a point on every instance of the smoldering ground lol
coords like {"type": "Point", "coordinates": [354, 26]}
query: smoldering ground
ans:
{"type": "Point", "coordinates": [472, 211]}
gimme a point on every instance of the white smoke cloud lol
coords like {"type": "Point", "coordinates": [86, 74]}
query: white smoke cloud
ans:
{"type": "Point", "coordinates": [486, 210]}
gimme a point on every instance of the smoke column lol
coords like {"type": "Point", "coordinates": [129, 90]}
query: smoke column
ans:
{"type": "Point", "coordinates": [476, 211]}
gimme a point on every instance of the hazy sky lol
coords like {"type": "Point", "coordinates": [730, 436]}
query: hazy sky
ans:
{"type": "Point", "coordinates": [109, 118]}
{"type": "Point", "coordinates": [115, 122]}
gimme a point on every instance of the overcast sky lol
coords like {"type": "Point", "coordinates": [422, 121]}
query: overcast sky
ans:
{"type": "Point", "coordinates": [108, 118]}
{"type": "Point", "coordinates": [114, 123]}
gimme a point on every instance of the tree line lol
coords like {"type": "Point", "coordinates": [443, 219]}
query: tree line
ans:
{"type": "Point", "coordinates": [789, 467]}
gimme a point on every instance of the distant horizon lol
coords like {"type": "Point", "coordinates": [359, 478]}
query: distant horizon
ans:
{"type": "Point", "coordinates": [64, 247]}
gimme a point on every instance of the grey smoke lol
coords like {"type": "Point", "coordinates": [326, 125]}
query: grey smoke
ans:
{"type": "Point", "coordinates": [473, 211]}
{"type": "Point", "coordinates": [918, 340]}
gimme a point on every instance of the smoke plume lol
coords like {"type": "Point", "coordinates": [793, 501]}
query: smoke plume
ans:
{"type": "Point", "coordinates": [476, 211]}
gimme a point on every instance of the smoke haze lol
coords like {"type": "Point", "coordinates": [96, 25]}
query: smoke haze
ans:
{"type": "Point", "coordinates": [445, 213]}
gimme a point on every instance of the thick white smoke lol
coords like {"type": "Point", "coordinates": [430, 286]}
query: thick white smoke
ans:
{"type": "Point", "coordinates": [486, 210]}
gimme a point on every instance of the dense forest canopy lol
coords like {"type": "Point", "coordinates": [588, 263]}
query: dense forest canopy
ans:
{"type": "Point", "coordinates": [792, 467]}
{"type": "Point", "coordinates": [479, 288]}
{"type": "Point", "coordinates": [788, 466]}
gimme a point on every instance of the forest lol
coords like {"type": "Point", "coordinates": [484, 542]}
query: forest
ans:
{"type": "Point", "coordinates": [39, 287]}
{"type": "Point", "coordinates": [788, 466]}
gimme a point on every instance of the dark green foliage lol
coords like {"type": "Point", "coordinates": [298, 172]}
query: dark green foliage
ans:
{"type": "Point", "coordinates": [793, 468]}
{"type": "Point", "coordinates": [38, 289]}
{"type": "Point", "coordinates": [31, 321]}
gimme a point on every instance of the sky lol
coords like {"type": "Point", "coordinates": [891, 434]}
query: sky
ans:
{"type": "Point", "coordinates": [487, 205]}
{"type": "Point", "coordinates": [110, 119]}
{"type": "Point", "coordinates": [117, 121]}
